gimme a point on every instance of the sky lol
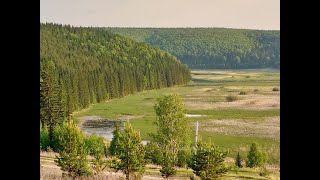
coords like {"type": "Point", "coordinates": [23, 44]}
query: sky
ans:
{"type": "Point", "coordinates": [239, 14]}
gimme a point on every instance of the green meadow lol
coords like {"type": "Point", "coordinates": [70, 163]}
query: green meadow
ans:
{"type": "Point", "coordinates": [252, 117]}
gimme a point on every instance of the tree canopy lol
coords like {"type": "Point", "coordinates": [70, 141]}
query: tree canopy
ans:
{"type": "Point", "coordinates": [85, 65]}
{"type": "Point", "coordinates": [213, 48]}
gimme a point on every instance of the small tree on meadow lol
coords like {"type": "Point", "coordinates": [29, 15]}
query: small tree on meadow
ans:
{"type": "Point", "coordinates": [238, 161]}
{"type": "Point", "coordinates": [96, 148]}
{"type": "Point", "coordinates": [114, 145]}
{"type": "Point", "coordinates": [73, 155]}
{"type": "Point", "coordinates": [130, 151]}
{"type": "Point", "coordinates": [256, 158]}
{"type": "Point", "coordinates": [207, 161]}
{"type": "Point", "coordinates": [172, 134]}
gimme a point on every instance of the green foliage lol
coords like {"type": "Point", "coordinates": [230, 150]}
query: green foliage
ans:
{"type": "Point", "coordinates": [213, 48]}
{"type": "Point", "coordinates": [238, 161]}
{"type": "Point", "coordinates": [167, 169]}
{"type": "Point", "coordinates": [59, 131]}
{"type": "Point", "coordinates": [96, 147]}
{"type": "Point", "coordinates": [51, 97]}
{"type": "Point", "coordinates": [243, 93]}
{"type": "Point", "coordinates": [208, 161]}
{"type": "Point", "coordinates": [81, 66]}
{"type": "Point", "coordinates": [256, 157]}
{"type": "Point", "coordinates": [73, 156]}
{"type": "Point", "coordinates": [130, 151]}
{"type": "Point", "coordinates": [173, 131]}
{"type": "Point", "coordinates": [44, 138]}
{"type": "Point", "coordinates": [231, 98]}
{"type": "Point", "coordinates": [184, 157]}
{"type": "Point", "coordinates": [275, 89]}
{"type": "Point", "coordinates": [114, 145]}
{"type": "Point", "coordinates": [153, 153]}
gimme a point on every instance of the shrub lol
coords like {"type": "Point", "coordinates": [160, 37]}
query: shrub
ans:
{"type": "Point", "coordinates": [184, 158]}
{"type": "Point", "coordinates": [247, 76]}
{"type": "Point", "coordinates": [275, 89]}
{"type": "Point", "coordinates": [44, 139]}
{"type": "Point", "coordinates": [243, 93]}
{"type": "Point", "coordinates": [208, 161]}
{"type": "Point", "coordinates": [167, 170]}
{"type": "Point", "coordinates": [96, 147]}
{"type": "Point", "coordinates": [59, 131]}
{"type": "Point", "coordinates": [95, 144]}
{"type": "Point", "coordinates": [256, 90]}
{"type": "Point", "coordinates": [238, 161]}
{"type": "Point", "coordinates": [231, 98]}
{"type": "Point", "coordinates": [153, 153]}
{"type": "Point", "coordinates": [256, 158]}
{"type": "Point", "coordinates": [235, 169]}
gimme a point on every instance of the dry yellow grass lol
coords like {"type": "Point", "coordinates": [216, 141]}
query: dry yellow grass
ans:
{"type": "Point", "coordinates": [250, 101]}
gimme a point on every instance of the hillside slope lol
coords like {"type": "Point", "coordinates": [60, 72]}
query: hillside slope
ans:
{"type": "Point", "coordinates": [213, 48]}
{"type": "Point", "coordinates": [89, 65]}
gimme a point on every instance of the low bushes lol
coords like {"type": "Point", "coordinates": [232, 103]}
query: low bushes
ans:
{"type": "Point", "coordinates": [231, 98]}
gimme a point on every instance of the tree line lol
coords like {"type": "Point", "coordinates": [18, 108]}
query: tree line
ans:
{"type": "Point", "coordinates": [80, 66]}
{"type": "Point", "coordinates": [213, 48]}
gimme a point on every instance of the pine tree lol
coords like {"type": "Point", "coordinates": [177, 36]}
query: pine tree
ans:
{"type": "Point", "coordinates": [49, 99]}
{"type": "Point", "coordinates": [114, 145]}
{"type": "Point", "coordinates": [130, 151]}
{"type": "Point", "coordinates": [208, 161]}
{"type": "Point", "coordinates": [73, 156]}
{"type": "Point", "coordinates": [256, 157]}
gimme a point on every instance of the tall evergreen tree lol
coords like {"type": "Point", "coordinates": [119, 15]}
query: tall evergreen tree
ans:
{"type": "Point", "coordinates": [50, 104]}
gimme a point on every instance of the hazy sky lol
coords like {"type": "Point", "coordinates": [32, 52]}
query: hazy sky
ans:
{"type": "Point", "coordinates": [247, 14]}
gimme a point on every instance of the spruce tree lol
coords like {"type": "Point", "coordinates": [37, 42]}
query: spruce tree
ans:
{"type": "Point", "coordinates": [256, 158]}
{"type": "Point", "coordinates": [208, 161]}
{"type": "Point", "coordinates": [49, 99]}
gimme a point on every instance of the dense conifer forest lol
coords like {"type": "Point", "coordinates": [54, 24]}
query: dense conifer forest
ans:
{"type": "Point", "coordinates": [213, 48]}
{"type": "Point", "coordinates": [80, 66]}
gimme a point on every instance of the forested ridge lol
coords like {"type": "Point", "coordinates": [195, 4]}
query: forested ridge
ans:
{"type": "Point", "coordinates": [213, 48]}
{"type": "Point", "coordinates": [80, 66]}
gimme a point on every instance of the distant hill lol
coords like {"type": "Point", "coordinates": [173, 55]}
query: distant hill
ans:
{"type": "Point", "coordinates": [90, 65]}
{"type": "Point", "coordinates": [213, 48]}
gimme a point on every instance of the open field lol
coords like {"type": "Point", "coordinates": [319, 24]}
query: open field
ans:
{"type": "Point", "coordinates": [253, 117]}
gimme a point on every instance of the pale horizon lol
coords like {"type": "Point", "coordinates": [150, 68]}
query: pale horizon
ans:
{"type": "Point", "coordinates": [235, 14]}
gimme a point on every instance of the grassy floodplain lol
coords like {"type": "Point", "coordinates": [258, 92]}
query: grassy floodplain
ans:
{"type": "Point", "coordinates": [253, 117]}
